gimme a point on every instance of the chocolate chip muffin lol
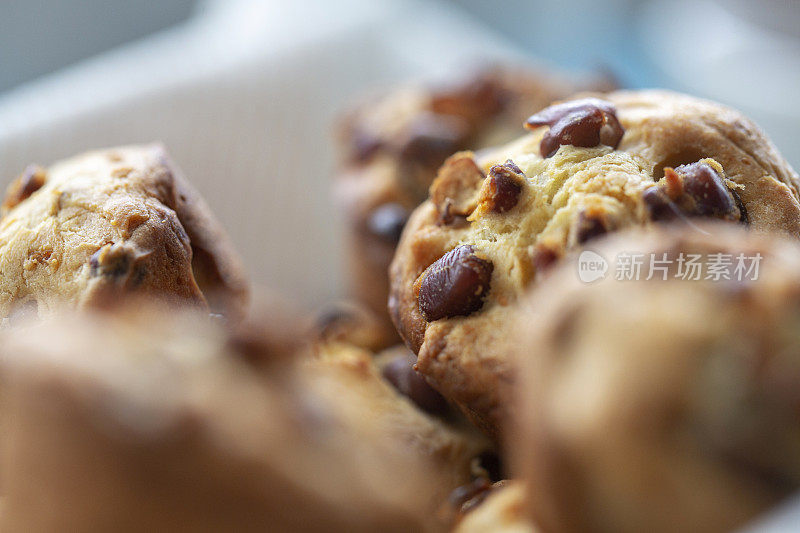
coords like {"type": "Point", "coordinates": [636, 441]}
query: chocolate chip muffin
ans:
{"type": "Point", "coordinates": [501, 508]}
{"type": "Point", "coordinates": [159, 421]}
{"type": "Point", "coordinates": [92, 229]}
{"type": "Point", "coordinates": [392, 146]}
{"type": "Point", "coordinates": [494, 223]}
{"type": "Point", "coordinates": [667, 404]}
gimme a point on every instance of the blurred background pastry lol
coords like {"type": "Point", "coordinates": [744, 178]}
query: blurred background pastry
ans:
{"type": "Point", "coordinates": [242, 99]}
{"type": "Point", "coordinates": [106, 225]}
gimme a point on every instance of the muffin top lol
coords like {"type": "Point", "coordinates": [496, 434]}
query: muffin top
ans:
{"type": "Point", "coordinates": [110, 223]}
{"type": "Point", "coordinates": [493, 224]}
{"type": "Point", "coordinates": [392, 145]}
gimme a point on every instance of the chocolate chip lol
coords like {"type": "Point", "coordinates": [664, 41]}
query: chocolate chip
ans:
{"type": "Point", "coordinates": [247, 342]}
{"type": "Point", "coordinates": [660, 207]}
{"type": "Point", "coordinates": [580, 128]}
{"type": "Point", "coordinates": [589, 227]}
{"type": "Point", "coordinates": [431, 138]}
{"type": "Point", "coordinates": [364, 145]}
{"type": "Point", "coordinates": [477, 100]}
{"type": "Point", "coordinates": [552, 114]}
{"type": "Point", "coordinates": [387, 222]}
{"type": "Point", "coordinates": [543, 257]}
{"type": "Point", "coordinates": [408, 382]}
{"type": "Point", "coordinates": [706, 187]}
{"type": "Point", "coordinates": [349, 323]}
{"type": "Point", "coordinates": [455, 285]}
{"type": "Point", "coordinates": [31, 180]}
{"type": "Point", "coordinates": [587, 122]}
{"type": "Point", "coordinates": [505, 185]}
{"type": "Point", "coordinates": [694, 190]}
{"type": "Point", "coordinates": [331, 319]}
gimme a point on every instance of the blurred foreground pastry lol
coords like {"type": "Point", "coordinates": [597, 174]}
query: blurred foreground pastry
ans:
{"type": "Point", "coordinates": [140, 421]}
{"type": "Point", "coordinates": [392, 146]}
{"type": "Point", "coordinates": [123, 221]}
{"type": "Point", "coordinates": [396, 403]}
{"type": "Point", "coordinates": [663, 405]}
{"type": "Point", "coordinates": [495, 223]}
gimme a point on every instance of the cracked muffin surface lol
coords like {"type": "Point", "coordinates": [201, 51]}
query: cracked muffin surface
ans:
{"type": "Point", "coordinates": [666, 404]}
{"type": "Point", "coordinates": [392, 145]}
{"type": "Point", "coordinates": [496, 221]}
{"type": "Point", "coordinates": [98, 226]}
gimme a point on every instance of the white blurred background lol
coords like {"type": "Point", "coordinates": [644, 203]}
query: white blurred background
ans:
{"type": "Point", "coordinates": [244, 92]}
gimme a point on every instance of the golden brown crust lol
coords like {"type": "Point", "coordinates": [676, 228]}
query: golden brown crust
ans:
{"type": "Point", "coordinates": [114, 222]}
{"type": "Point", "coordinates": [669, 129]}
{"type": "Point", "coordinates": [660, 405]}
{"type": "Point", "coordinates": [568, 198]}
{"type": "Point", "coordinates": [411, 259]}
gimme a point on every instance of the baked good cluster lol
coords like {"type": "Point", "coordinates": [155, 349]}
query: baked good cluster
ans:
{"type": "Point", "coordinates": [571, 308]}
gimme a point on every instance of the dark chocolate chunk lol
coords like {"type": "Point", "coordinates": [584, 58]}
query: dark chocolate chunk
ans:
{"type": "Point", "coordinates": [587, 122]}
{"type": "Point", "coordinates": [694, 190]}
{"type": "Point", "coordinates": [387, 222]}
{"type": "Point", "coordinates": [31, 180]}
{"type": "Point", "coordinates": [455, 285]}
{"type": "Point", "coordinates": [505, 186]}
{"type": "Point", "coordinates": [401, 374]}
{"type": "Point", "coordinates": [589, 227]}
